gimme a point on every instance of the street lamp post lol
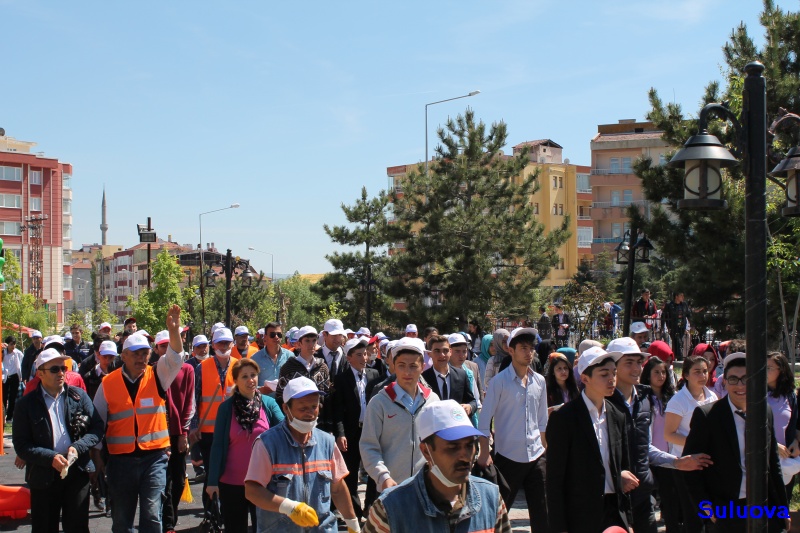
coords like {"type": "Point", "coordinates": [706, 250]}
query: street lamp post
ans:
{"type": "Point", "coordinates": [271, 261]}
{"type": "Point", "coordinates": [202, 264]}
{"type": "Point", "coordinates": [473, 93]}
{"type": "Point", "coordinates": [229, 268]}
{"type": "Point", "coordinates": [702, 157]}
{"type": "Point", "coordinates": [628, 253]}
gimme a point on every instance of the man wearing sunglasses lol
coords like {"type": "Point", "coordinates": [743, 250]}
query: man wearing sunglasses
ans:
{"type": "Point", "coordinates": [271, 358]}
{"type": "Point", "coordinates": [46, 438]}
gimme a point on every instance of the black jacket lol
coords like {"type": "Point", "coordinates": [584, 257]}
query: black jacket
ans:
{"type": "Point", "coordinates": [460, 390]}
{"type": "Point", "coordinates": [79, 351]}
{"type": "Point", "coordinates": [341, 364]}
{"type": "Point", "coordinates": [575, 474]}
{"type": "Point", "coordinates": [638, 426]}
{"type": "Point", "coordinates": [346, 402]}
{"type": "Point", "coordinates": [33, 434]}
{"type": "Point", "coordinates": [556, 321]}
{"type": "Point", "coordinates": [28, 358]}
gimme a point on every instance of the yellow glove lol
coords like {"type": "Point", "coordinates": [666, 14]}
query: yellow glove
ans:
{"type": "Point", "coordinates": [300, 513]}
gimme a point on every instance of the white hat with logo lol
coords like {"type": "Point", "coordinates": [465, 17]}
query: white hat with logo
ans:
{"type": "Point", "coordinates": [134, 342]}
{"type": "Point", "coordinates": [299, 387]}
{"type": "Point", "coordinates": [334, 326]}
{"type": "Point", "coordinates": [447, 420]}
{"type": "Point", "coordinates": [594, 356]}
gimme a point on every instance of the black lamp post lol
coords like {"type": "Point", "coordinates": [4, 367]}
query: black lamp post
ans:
{"type": "Point", "coordinates": [229, 267]}
{"type": "Point", "coordinates": [702, 157]}
{"type": "Point", "coordinates": [630, 251]}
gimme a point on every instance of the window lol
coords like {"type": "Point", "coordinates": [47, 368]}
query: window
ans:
{"type": "Point", "coordinates": [67, 257]}
{"type": "Point", "coordinates": [11, 173]}
{"type": "Point", "coordinates": [66, 181]}
{"type": "Point", "coordinates": [536, 208]}
{"type": "Point", "coordinates": [67, 282]}
{"type": "Point", "coordinates": [10, 228]}
{"type": "Point", "coordinates": [560, 209]}
{"type": "Point", "coordinates": [66, 206]}
{"type": "Point", "coordinates": [616, 230]}
{"type": "Point", "coordinates": [615, 165]}
{"type": "Point", "coordinates": [67, 230]}
{"type": "Point", "coordinates": [17, 254]}
{"type": "Point", "coordinates": [627, 196]}
{"type": "Point", "coordinates": [626, 165]}
{"type": "Point", "coordinates": [560, 182]}
{"type": "Point", "coordinates": [36, 204]}
{"type": "Point", "coordinates": [398, 187]}
{"type": "Point", "coordinates": [585, 236]}
{"type": "Point", "coordinates": [555, 182]}
{"type": "Point", "coordinates": [626, 227]}
{"type": "Point", "coordinates": [36, 177]}
{"type": "Point", "coordinates": [11, 200]}
{"type": "Point", "coordinates": [555, 209]}
{"type": "Point", "coordinates": [582, 183]}
{"type": "Point", "coordinates": [662, 159]}
{"type": "Point", "coordinates": [614, 198]}
{"type": "Point", "coordinates": [561, 264]}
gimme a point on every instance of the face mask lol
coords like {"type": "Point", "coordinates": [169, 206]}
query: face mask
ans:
{"type": "Point", "coordinates": [303, 426]}
{"type": "Point", "coordinates": [226, 354]}
{"type": "Point", "coordinates": [373, 357]}
{"type": "Point", "coordinates": [438, 473]}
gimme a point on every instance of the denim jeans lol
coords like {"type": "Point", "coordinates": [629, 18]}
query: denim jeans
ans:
{"type": "Point", "coordinates": [137, 478]}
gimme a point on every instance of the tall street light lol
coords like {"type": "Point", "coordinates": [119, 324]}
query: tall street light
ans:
{"type": "Point", "coordinates": [702, 157]}
{"type": "Point", "coordinates": [271, 261]}
{"type": "Point", "coordinates": [202, 264]}
{"type": "Point", "coordinates": [629, 252]}
{"type": "Point", "coordinates": [473, 93]}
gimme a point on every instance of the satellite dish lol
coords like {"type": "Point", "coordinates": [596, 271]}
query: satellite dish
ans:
{"type": "Point", "coordinates": [2, 132]}
{"type": "Point", "coordinates": [566, 161]}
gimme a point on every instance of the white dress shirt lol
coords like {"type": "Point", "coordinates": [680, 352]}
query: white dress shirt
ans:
{"type": "Point", "coordinates": [739, 421]}
{"type": "Point", "coordinates": [56, 406]}
{"type": "Point", "coordinates": [446, 379]}
{"type": "Point", "coordinates": [361, 385]}
{"type": "Point", "coordinates": [600, 426]}
{"type": "Point", "coordinates": [330, 356]}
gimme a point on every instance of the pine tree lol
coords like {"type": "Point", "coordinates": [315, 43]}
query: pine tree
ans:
{"type": "Point", "coordinates": [471, 242]}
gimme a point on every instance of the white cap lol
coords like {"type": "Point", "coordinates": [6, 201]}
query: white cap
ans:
{"type": "Point", "coordinates": [349, 331]}
{"type": "Point", "coordinates": [733, 357]}
{"type": "Point", "coordinates": [594, 356]}
{"type": "Point", "coordinates": [36, 333]}
{"type": "Point", "coordinates": [48, 355]}
{"type": "Point", "coordinates": [521, 331]}
{"type": "Point", "coordinates": [447, 420]}
{"type": "Point", "coordinates": [198, 340]}
{"type": "Point", "coordinates": [304, 331]}
{"type": "Point", "coordinates": [456, 338]}
{"type": "Point", "coordinates": [638, 327]}
{"type": "Point", "coordinates": [260, 332]}
{"type": "Point", "coordinates": [292, 330]}
{"type": "Point", "coordinates": [381, 335]}
{"type": "Point", "coordinates": [147, 335]}
{"type": "Point", "coordinates": [134, 342]}
{"type": "Point", "coordinates": [383, 343]}
{"type": "Point", "coordinates": [215, 327]}
{"type": "Point", "coordinates": [162, 337]}
{"type": "Point", "coordinates": [364, 331]}
{"type": "Point", "coordinates": [355, 342]}
{"type": "Point", "coordinates": [241, 330]}
{"type": "Point", "coordinates": [104, 325]}
{"type": "Point", "coordinates": [52, 339]}
{"type": "Point", "coordinates": [108, 348]}
{"type": "Point", "coordinates": [68, 336]}
{"type": "Point", "coordinates": [334, 327]}
{"type": "Point", "coordinates": [626, 346]}
{"type": "Point", "coordinates": [588, 343]}
{"type": "Point", "coordinates": [409, 343]}
{"type": "Point", "coordinates": [411, 328]}
{"type": "Point", "coordinates": [299, 387]}
{"type": "Point", "coordinates": [222, 335]}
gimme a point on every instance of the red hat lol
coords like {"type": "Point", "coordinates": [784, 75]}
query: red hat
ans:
{"type": "Point", "coordinates": [661, 350]}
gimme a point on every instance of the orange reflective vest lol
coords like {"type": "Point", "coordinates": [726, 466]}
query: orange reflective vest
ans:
{"type": "Point", "coordinates": [250, 351]}
{"type": "Point", "coordinates": [211, 395]}
{"type": "Point", "coordinates": [143, 422]}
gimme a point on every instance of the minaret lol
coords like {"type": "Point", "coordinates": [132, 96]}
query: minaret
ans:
{"type": "Point", "coordinates": [104, 223]}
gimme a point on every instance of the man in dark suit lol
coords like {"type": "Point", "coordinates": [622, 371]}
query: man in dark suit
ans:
{"type": "Point", "coordinates": [349, 403]}
{"type": "Point", "coordinates": [333, 337]}
{"type": "Point", "coordinates": [448, 382]}
{"type": "Point", "coordinates": [718, 430]}
{"type": "Point", "coordinates": [588, 463]}
{"type": "Point", "coordinates": [561, 323]}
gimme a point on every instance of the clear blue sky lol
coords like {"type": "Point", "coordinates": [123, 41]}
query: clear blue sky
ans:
{"type": "Point", "coordinates": [288, 108]}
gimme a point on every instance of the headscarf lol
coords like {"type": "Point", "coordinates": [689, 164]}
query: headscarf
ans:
{"type": "Point", "coordinates": [499, 340]}
{"type": "Point", "coordinates": [246, 411]}
{"type": "Point", "coordinates": [701, 350]}
{"type": "Point", "coordinates": [486, 341]}
{"type": "Point", "coordinates": [569, 353]}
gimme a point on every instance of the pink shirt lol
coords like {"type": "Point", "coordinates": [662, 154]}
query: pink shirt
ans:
{"type": "Point", "coordinates": [260, 469]}
{"type": "Point", "coordinates": [239, 446]}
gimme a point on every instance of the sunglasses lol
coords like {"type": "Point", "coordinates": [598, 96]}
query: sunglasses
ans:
{"type": "Point", "coordinates": [273, 334]}
{"type": "Point", "coordinates": [57, 369]}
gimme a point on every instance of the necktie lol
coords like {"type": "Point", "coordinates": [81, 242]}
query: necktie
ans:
{"type": "Point", "coordinates": [333, 364]}
{"type": "Point", "coordinates": [444, 388]}
{"type": "Point", "coordinates": [360, 376]}
{"type": "Point", "coordinates": [741, 413]}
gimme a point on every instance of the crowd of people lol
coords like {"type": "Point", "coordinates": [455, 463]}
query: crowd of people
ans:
{"type": "Point", "coordinates": [447, 429]}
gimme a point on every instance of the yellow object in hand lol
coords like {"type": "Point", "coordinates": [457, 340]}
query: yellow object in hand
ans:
{"type": "Point", "coordinates": [304, 516]}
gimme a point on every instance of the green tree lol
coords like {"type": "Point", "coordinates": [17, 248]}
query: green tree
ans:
{"type": "Point", "coordinates": [471, 241]}
{"type": "Point", "coordinates": [584, 303]}
{"type": "Point", "coordinates": [103, 314]}
{"type": "Point", "coordinates": [150, 309]}
{"type": "Point", "coordinates": [371, 231]}
{"type": "Point", "coordinates": [302, 304]}
{"type": "Point", "coordinates": [251, 306]}
{"type": "Point", "coordinates": [22, 308]}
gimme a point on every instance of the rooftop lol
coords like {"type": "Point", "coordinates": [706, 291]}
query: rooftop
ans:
{"type": "Point", "coordinates": [612, 137]}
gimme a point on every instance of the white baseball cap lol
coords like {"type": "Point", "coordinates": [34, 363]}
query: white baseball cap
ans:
{"type": "Point", "coordinates": [447, 420]}
{"type": "Point", "coordinates": [349, 331]}
{"type": "Point", "coordinates": [305, 331]}
{"type": "Point", "coordinates": [733, 357]}
{"type": "Point", "coordinates": [134, 342]}
{"type": "Point", "coordinates": [222, 335]}
{"type": "Point", "coordinates": [199, 339]}
{"type": "Point", "coordinates": [364, 331]}
{"type": "Point", "coordinates": [521, 331]}
{"type": "Point", "coordinates": [411, 328]}
{"type": "Point", "coordinates": [299, 387]}
{"type": "Point", "coordinates": [53, 339]}
{"type": "Point", "coordinates": [588, 343]}
{"type": "Point", "coordinates": [241, 330]}
{"type": "Point", "coordinates": [68, 336]}
{"type": "Point", "coordinates": [594, 356]}
{"type": "Point", "coordinates": [456, 338]}
{"type": "Point", "coordinates": [45, 356]}
{"type": "Point", "coordinates": [334, 326]}
{"type": "Point", "coordinates": [144, 332]}
{"type": "Point", "coordinates": [162, 337]}
{"type": "Point", "coordinates": [626, 346]}
{"type": "Point", "coordinates": [638, 327]}
{"type": "Point", "coordinates": [215, 327]}
{"type": "Point", "coordinates": [108, 348]}
{"type": "Point", "coordinates": [260, 332]}
{"type": "Point", "coordinates": [355, 342]}
{"type": "Point", "coordinates": [36, 333]}
{"type": "Point", "coordinates": [409, 343]}
{"type": "Point", "coordinates": [104, 325]}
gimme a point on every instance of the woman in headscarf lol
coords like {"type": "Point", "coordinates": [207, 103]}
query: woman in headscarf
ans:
{"type": "Point", "coordinates": [498, 351]}
{"type": "Point", "coordinates": [709, 353]}
{"type": "Point", "coordinates": [484, 355]}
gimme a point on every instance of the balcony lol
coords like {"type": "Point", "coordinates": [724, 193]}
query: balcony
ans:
{"type": "Point", "coordinates": [623, 204]}
{"type": "Point", "coordinates": [608, 171]}
{"type": "Point", "coordinates": [606, 240]}
{"type": "Point", "coordinates": [584, 217]}
{"type": "Point", "coordinates": [585, 191]}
